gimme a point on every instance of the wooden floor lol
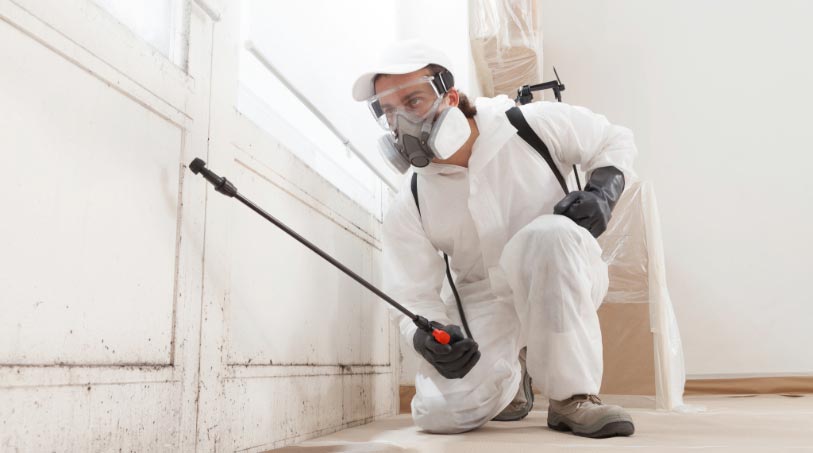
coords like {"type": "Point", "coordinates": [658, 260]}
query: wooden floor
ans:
{"type": "Point", "coordinates": [766, 423]}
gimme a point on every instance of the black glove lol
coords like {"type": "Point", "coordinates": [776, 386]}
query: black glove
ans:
{"type": "Point", "coordinates": [453, 360]}
{"type": "Point", "coordinates": [591, 208]}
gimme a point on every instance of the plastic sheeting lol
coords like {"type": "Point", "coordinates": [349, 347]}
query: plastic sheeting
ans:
{"type": "Point", "coordinates": [624, 250]}
{"type": "Point", "coordinates": [633, 249]}
{"type": "Point", "coordinates": [506, 45]}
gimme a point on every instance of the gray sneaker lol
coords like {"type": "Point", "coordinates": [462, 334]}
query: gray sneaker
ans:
{"type": "Point", "coordinates": [523, 402]}
{"type": "Point", "coordinates": [586, 416]}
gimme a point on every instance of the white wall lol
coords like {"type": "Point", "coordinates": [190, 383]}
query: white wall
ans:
{"type": "Point", "coordinates": [140, 310]}
{"type": "Point", "coordinates": [100, 296]}
{"type": "Point", "coordinates": [719, 96]}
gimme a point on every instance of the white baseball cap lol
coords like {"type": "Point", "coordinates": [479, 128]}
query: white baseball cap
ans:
{"type": "Point", "coordinates": [400, 57]}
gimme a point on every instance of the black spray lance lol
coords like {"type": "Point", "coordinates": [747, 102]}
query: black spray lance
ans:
{"type": "Point", "coordinates": [224, 186]}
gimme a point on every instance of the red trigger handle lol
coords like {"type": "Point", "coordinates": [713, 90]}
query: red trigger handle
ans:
{"type": "Point", "coordinates": [441, 336]}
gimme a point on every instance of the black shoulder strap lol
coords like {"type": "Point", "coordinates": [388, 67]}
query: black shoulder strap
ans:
{"type": "Point", "coordinates": [414, 186]}
{"type": "Point", "coordinates": [524, 130]}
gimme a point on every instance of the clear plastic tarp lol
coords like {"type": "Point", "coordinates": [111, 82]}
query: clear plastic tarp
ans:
{"type": "Point", "coordinates": [633, 248]}
{"type": "Point", "coordinates": [506, 44]}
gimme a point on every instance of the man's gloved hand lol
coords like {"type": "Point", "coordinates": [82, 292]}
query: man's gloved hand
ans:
{"type": "Point", "coordinates": [453, 360]}
{"type": "Point", "coordinates": [591, 207]}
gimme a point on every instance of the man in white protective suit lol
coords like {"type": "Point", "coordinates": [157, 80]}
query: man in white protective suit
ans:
{"type": "Point", "coordinates": [528, 269]}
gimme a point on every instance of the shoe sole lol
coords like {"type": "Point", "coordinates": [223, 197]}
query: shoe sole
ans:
{"type": "Point", "coordinates": [611, 429]}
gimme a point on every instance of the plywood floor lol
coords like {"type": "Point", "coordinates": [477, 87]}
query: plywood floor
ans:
{"type": "Point", "coordinates": [766, 423]}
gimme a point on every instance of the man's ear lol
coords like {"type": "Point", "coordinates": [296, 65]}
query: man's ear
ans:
{"type": "Point", "coordinates": [453, 97]}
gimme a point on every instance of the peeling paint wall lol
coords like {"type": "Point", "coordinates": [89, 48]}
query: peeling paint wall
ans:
{"type": "Point", "coordinates": [141, 310]}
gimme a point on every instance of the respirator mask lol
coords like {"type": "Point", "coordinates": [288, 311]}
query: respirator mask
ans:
{"type": "Point", "coordinates": [416, 131]}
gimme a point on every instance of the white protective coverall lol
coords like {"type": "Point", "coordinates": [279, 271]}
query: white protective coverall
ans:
{"type": "Point", "coordinates": [524, 275]}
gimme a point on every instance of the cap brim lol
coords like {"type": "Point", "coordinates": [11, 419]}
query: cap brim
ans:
{"type": "Point", "coordinates": [364, 89]}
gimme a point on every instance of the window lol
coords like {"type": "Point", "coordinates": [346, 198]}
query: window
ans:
{"type": "Point", "coordinates": [333, 46]}
{"type": "Point", "coordinates": [164, 24]}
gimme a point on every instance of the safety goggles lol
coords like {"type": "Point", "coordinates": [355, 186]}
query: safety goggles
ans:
{"type": "Point", "coordinates": [415, 100]}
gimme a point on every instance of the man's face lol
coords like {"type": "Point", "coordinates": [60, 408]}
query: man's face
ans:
{"type": "Point", "coordinates": [410, 93]}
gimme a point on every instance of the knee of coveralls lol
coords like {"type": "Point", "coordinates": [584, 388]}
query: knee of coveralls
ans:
{"type": "Point", "coordinates": [558, 278]}
{"type": "Point", "coordinates": [550, 243]}
{"type": "Point", "coordinates": [545, 232]}
{"type": "Point", "coordinates": [457, 405]}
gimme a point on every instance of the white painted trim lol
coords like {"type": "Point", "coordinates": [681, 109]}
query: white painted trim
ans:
{"type": "Point", "coordinates": [250, 163]}
{"type": "Point", "coordinates": [263, 151]}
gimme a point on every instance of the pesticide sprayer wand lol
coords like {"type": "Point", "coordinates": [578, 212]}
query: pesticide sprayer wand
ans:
{"type": "Point", "coordinates": [224, 186]}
